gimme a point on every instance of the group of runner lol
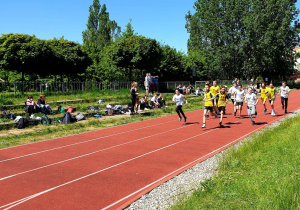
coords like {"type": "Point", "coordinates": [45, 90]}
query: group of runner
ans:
{"type": "Point", "coordinates": [216, 98]}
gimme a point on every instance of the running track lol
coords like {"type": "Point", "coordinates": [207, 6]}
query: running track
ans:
{"type": "Point", "coordinates": [110, 168]}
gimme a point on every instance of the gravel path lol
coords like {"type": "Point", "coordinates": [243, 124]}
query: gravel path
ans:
{"type": "Point", "coordinates": [164, 196]}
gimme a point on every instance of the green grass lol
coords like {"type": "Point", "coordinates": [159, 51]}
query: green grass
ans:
{"type": "Point", "coordinates": [263, 173]}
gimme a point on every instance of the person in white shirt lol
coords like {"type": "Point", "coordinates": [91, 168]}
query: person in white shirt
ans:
{"type": "Point", "coordinates": [232, 92]}
{"type": "Point", "coordinates": [251, 101]}
{"type": "Point", "coordinates": [178, 99]}
{"type": "Point", "coordinates": [154, 102]}
{"type": "Point", "coordinates": [146, 83]}
{"type": "Point", "coordinates": [239, 98]}
{"type": "Point", "coordinates": [284, 94]}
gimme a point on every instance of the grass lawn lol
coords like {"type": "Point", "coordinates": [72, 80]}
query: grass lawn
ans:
{"type": "Point", "coordinates": [263, 173]}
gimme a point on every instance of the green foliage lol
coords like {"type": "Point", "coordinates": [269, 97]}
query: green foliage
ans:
{"type": "Point", "coordinates": [244, 38]}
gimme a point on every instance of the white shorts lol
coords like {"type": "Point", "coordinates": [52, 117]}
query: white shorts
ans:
{"type": "Point", "coordinates": [251, 109]}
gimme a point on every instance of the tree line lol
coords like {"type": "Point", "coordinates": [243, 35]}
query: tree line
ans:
{"type": "Point", "coordinates": [228, 38]}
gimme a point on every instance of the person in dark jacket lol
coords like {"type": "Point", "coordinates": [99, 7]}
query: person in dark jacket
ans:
{"type": "Point", "coordinates": [133, 94]}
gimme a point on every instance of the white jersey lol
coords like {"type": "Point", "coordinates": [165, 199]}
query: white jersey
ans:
{"type": "Point", "coordinates": [232, 92]}
{"type": "Point", "coordinates": [284, 91]}
{"type": "Point", "coordinates": [251, 99]}
{"type": "Point", "coordinates": [239, 96]}
{"type": "Point", "coordinates": [178, 99]}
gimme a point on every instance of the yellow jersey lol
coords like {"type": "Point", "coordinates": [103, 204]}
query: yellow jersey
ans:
{"type": "Point", "coordinates": [214, 90]}
{"type": "Point", "coordinates": [208, 96]}
{"type": "Point", "coordinates": [263, 92]}
{"type": "Point", "coordinates": [222, 99]}
{"type": "Point", "coordinates": [271, 93]}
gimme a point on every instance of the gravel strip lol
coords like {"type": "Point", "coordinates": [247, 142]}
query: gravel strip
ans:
{"type": "Point", "coordinates": [165, 195]}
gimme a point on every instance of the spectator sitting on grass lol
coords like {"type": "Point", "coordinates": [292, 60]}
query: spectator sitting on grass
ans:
{"type": "Point", "coordinates": [198, 92]}
{"type": "Point", "coordinates": [154, 103]}
{"type": "Point", "coordinates": [161, 100]}
{"type": "Point", "coordinates": [144, 104]}
{"type": "Point", "coordinates": [30, 105]}
{"type": "Point", "coordinates": [42, 104]}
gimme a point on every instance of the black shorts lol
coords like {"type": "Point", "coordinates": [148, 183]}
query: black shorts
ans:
{"type": "Point", "coordinates": [239, 103]}
{"type": "Point", "coordinates": [209, 108]}
{"type": "Point", "coordinates": [271, 100]}
{"type": "Point", "coordinates": [221, 108]}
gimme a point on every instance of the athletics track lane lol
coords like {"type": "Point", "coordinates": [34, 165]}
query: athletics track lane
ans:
{"type": "Point", "coordinates": [117, 165]}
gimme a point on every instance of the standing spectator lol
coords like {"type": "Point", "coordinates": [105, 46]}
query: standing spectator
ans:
{"type": "Point", "coordinates": [155, 83]}
{"type": "Point", "coordinates": [133, 97]}
{"type": "Point", "coordinates": [146, 83]}
{"type": "Point", "coordinates": [137, 101]}
{"type": "Point", "coordinates": [150, 81]}
{"type": "Point", "coordinates": [46, 87]}
{"type": "Point", "coordinates": [30, 105]}
{"type": "Point", "coordinates": [42, 104]}
{"type": "Point", "coordinates": [267, 81]}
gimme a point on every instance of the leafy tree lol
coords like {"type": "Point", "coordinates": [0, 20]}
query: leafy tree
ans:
{"type": "Point", "coordinates": [244, 38]}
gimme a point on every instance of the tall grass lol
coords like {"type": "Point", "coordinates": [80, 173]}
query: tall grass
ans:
{"type": "Point", "coordinates": [263, 173]}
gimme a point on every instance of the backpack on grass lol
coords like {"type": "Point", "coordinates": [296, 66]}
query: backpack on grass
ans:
{"type": "Point", "coordinates": [45, 120]}
{"type": "Point", "coordinates": [79, 116]}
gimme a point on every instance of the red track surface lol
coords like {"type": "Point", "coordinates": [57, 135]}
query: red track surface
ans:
{"type": "Point", "coordinates": [110, 168]}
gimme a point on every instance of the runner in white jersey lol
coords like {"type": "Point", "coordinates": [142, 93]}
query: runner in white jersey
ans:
{"type": "Point", "coordinates": [232, 92]}
{"type": "Point", "coordinates": [178, 99]}
{"type": "Point", "coordinates": [251, 101]}
{"type": "Point", "coordinates": [284, 94]}
{"type": "Point", "coordinates": [239, 98]}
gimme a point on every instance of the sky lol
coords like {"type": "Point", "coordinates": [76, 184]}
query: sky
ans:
{"type": "Point", "coordinates": [163, 20]}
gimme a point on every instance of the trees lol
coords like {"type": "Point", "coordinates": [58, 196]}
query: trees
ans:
{"type": "Point", "coordinates": [244, 38]}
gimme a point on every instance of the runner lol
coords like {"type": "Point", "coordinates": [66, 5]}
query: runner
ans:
{"type": "Point", "coordinates": [178, 98]}
{"type": "Point", "coordinates": [284, 93]}
{"type": "Point", "coordinates": [222, 100]}
{"type": "Point", "coordinates": [272, 96]}
{"type": "Point", "coordinates": [239, 98]}
{"type": "Point", "coordinates": [264, 96]}
{"type": "Point", "coordinates": [214, 91]}
{"type": "Point", "coordinates": [232, 92]}
{"type": "Point", "coordinates": [251, 101]}
{"type": "Point", "coordinates": [208, 105]}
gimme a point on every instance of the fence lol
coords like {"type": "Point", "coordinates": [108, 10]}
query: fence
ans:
{"type": "Point", "coordinates": [26, 86]}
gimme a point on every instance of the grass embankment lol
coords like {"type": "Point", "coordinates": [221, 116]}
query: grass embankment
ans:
{"type": "Point", "coordinates": [263, 173]}
{"type": "Point", "coordinates": [42, 132]}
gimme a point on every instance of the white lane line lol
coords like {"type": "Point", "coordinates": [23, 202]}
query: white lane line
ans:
{"type": "Point", "coordinates": [18, 202]}
{"type": "Point", "coordinates": [31, 170]}
{"type": "Point", "coordinates": [190, 164]}
{"type": "Point", "coordinates": [88, 140]}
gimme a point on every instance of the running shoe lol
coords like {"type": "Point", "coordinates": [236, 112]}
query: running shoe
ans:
{"type": "Point", "coordinates": [179, 119]}
{"type": "Point", "coordinates": [285, 112]}
{"type": "Point", "coordinates": [220, 123]}
{"type": "Point", "coordinates": [234, 114]}
{"type": "Point", "coordinates": [203, 126]}
{"type": "Point", "coordinates": [253, 123]}
{"type": "Point", "coordinates": [282, 107]}
{"type": "Point", "coordinates": [185, 119]}
{"type": "Point", "coordinates": [265, 111]}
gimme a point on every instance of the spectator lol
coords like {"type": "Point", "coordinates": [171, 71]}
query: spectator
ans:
{"type": "Point", "coordinates": [137, 101]}
{"type": "Point", "coordinates": [198, 92]}
{"type": "Point", "coordinates": [144, 105]}
{"type": "Point", "coordinates": [133, 97]}
{"type": "Point", "coordinates": [154, 102]}
{"type": "Point", "coordinates": [42, 104]}
{"type": "Point", "coordinates": [30, 105]}
{"type": "Point", "coordinates": [161, 101]}
{"type": "Point", "coordinates": [179, 88]}
{"type": "Point", "coordinates": [184, 89]}
{"type": "Point", "coordinates": [146, 83]}
{"type": "Point", "coordinates": [155, 83]}
{"type": "Point", "coordinates": [151, 85]}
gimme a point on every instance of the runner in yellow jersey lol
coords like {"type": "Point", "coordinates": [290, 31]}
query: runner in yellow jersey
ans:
{"type": "Point", "coordinates": [214, 91]}
{"type": "Point", "coordinates": [272, 95]}
{"type": "Point", "coordinates": [208, 104]}
{"type": "Point", "coordinates": [264, 96]}
{"type": "Point", "coordinates": [222, 100]}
